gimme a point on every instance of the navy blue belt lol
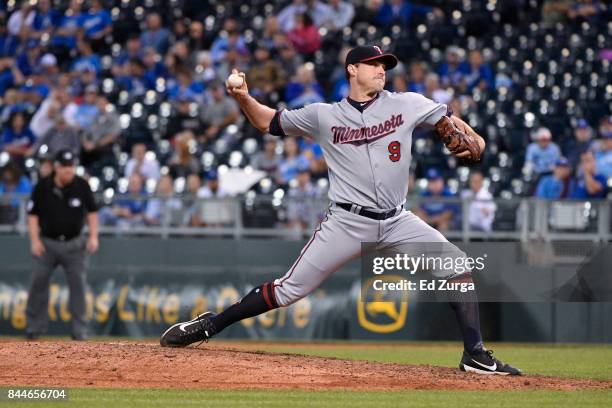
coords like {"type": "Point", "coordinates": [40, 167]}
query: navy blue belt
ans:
{"type": "Point", "coordinates": [359, 210]}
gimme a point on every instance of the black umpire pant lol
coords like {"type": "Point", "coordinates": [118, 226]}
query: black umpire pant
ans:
{"type": "Point", "coordinates": [72, 256]}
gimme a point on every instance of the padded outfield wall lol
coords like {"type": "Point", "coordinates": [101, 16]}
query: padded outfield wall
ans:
{"type": "Point", "coordinates": [139, 286]}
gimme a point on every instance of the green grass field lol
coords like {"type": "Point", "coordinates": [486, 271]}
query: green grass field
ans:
{"type": "Point", "coordinates": [577, 361]}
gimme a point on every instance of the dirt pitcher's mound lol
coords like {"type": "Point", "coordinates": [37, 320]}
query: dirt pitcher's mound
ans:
{"type": "Point", "coordinates": [147, 365]}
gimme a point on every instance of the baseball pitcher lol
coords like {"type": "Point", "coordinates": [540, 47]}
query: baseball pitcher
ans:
{"type": "Point", "coordinates": [366, 140]}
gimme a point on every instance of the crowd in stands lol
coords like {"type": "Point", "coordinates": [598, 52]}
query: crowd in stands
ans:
{"type": "Point", "coordinates": [136, 89]}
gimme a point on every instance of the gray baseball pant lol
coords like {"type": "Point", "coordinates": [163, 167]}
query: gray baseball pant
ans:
{"type": "Point", "coordinates": [72, 256]}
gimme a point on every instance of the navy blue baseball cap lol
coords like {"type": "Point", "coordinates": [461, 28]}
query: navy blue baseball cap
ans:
{"type": "Point", "coordinates": [562, 162]}
{"type": "Point", "coordinates": [582, 124]}
{"type": "Point", "coordinates": [370, 53]}
{"type": "Point", "coordinates": [433, 174]}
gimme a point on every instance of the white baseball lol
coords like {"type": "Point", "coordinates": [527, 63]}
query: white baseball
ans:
{"type": "Point", "coordinates": [235, 81]}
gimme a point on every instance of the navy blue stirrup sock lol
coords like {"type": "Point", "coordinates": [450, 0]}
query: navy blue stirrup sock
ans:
{"type": "Point", "coordinates": [258, 301]}
{"type": "Point", "coordinates": [465, 305]}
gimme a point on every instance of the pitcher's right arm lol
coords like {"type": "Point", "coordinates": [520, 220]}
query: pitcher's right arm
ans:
{"type": "Point", "coordinates": [258, 114]}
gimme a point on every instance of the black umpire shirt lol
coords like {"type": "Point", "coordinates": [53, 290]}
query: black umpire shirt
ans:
{"type": "Point", "coordinates": [61, 211]}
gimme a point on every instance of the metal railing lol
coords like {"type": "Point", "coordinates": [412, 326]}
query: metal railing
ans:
{"type": "Point", "coordinates": [519, 219]}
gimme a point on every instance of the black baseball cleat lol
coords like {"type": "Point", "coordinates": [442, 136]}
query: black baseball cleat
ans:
{"type": "Point", "coordinates": [485, 363]}
{"type": "Point", "coordinates": [184, 333]}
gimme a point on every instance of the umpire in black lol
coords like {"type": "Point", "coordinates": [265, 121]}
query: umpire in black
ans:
{"type": "Point", "coordinates": [59, 206]}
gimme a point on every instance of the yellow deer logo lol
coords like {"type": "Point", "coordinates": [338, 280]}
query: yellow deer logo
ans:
{"type": "Point", "coordinates": [369, 312]}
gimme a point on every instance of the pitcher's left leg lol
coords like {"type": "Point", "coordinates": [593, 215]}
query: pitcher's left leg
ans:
{"type": "Point", "coordinates": [409, 234]}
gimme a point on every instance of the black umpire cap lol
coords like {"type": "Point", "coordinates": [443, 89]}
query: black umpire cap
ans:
{"type": "Point", "coordinates": [370, 53]}
{"type": "Point", "coordinates": [66, 157]}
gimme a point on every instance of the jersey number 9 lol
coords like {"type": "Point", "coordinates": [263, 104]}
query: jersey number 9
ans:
{"type": "Point", "coordinates": [395, 152]}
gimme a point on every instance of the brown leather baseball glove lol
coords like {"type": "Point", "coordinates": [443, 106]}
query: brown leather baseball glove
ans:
{"type": "Point", "coordinates": [458, 140]}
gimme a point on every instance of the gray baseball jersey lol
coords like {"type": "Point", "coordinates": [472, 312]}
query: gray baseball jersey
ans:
{"type": "Point", "coordinates": [367, 153]}
{"type": "Point", "coordinates": [368, 156]}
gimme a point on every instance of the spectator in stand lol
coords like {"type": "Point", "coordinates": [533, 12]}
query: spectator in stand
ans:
{"type": "Point", "coordinates": [155, 36]}
{"type": "Point", "coordinates": [133, 50]}
{"type": "Point", "coordinates": [292, 162]}
{"type": "Point", "coordinates": [12, 182]}
{"type": "Point", "coordinates": [585, 10]}
{"type": "Point", "coordinates": [318, 11]}
{"type": "Point", "coordinates": [341, 14]}
{"type": "Point", "coordinates": [49, 68]}
{"type": "Point", "coordinates": [185, 86]}
{"type": "Point", "coordinates": [129, 210]}
{"type": "Point", "coordinates": [418, 72]}
{"type": "Point", "coordinates": [54, 104]}
{"type": "Point", "coordinates": [87, 60]}
{"type": "Point", "coordinates": [142, 163]}
{"type": "Point", "coordinates": [399, 83]}
{"type": "Point", "coordinates": [212, 212]}
{"type": "Point", "coordinates": [582, 142]}
{"type": "Point", "coordinates": [304, 88]}
{"type": "Point", "coordinates": [401, 12]}
{"type": "Point", "coordinates": [228, 39]}
{"type": "Point", "coordinates": [340, 86]}
{"type": "Point", "coordinates": [83, 115]}
{"type": "Point", "coordinates": [182, 53]}
{"type": "Point", "coordinates": [64, 40]}
{"type": "Point", "coordinates": [289, 59]}
{"type": "Point", "coordinates": [97, 24]}
{"type": "Point", "coordinates": [10, 75]}
{"type": "Point", "coordinates": [17, 138]}
{"type": "Point", "coordinates": [45, 166]}
{"type": "Point", "coordinates": [301, 205]}
{"type": "Point", "coordinates": [434, 91]}
{"type": "Point", "coordinates": [603, 155]}
{"type": "Point", "coordinates": [480, 74]}
{"type": "Point", "coordinates": [588, 183]}
{"type": "Point", "coordinates": [22, 20]}
{"type": "Point", "coordinates": [184, 117]}
{"type": "Point", "coordinates": [179, 30]}
{"type": "Point", "coordinates": [313, 152]}
{"type": "Point", "coordinates": [82, 78]}
{"type": "Point", "coordinates": [270, 32]}
{"type": "Point", "coordinates": [542, 154]}
{"type": "Point", "coordinates": [45, 20]}
{"type": "Point", "coordinates": [267, 160]}
{"type": "Point", "coordinates": [555, 11]}
{"type": "Point", "coordinates": [439, 215]}
{"type": "Point", "coordinates": [219, 112]}
{"type": "Point", "coordinates": [131, 77]}
{"type": "Point", "coordinates": [183, 163]}
{"type": "Point", "coordinates": [233, 59]}
{"type": "Point", "coordinates": [454, 72]}
{"type": "Point", "coordinates": [204, 68]}
{"type": "Point", "coordinates": [190, 200]}
{"type": "Point", "coordinates": [196, 38]}
{"type": "Point", "coordinates": [481, 211]}
{"type": "Point", "coordinates": [35, 91]}
{"type": "Point", "coordinates": [556, 186]}
{"type": "Point", "coordinates": [101, 136]}
{"type": "Point", "coordinates": [28, 60]}
{"type": "Point", "coordinates": [60, 137]}
{"type": "Point", "coordinates": [305, 36]}
{"type": "Point", "coordinates": [286, 17]}
{"type": "Point", "coordinates": [266, 75]}
{"type": "Point", "coordinates": [163, 203]}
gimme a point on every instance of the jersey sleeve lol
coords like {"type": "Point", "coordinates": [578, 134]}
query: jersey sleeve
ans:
{"type": "Point", "coordinates": [425, 111]}
{"type": "Point", "coordinates": [302, 122]}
